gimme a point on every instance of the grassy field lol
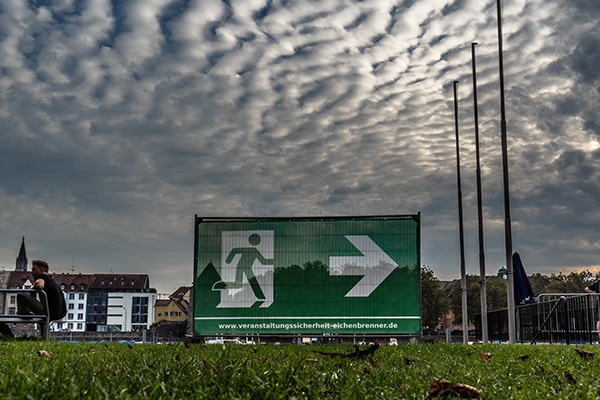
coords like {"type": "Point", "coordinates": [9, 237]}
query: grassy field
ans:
{"type": "Point", "coordinates": [54, 370]}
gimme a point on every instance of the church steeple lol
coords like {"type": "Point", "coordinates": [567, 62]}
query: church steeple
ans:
{"type": "Point", "coordinates": [22, 258]}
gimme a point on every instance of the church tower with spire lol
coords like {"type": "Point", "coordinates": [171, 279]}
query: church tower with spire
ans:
{"type": "Point", "coordinates": [22, 258]}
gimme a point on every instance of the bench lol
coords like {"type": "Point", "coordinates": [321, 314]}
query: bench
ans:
{"type": "Point", "coordinates": [43, 320]}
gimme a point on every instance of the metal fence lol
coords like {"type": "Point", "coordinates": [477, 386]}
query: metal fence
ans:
{"type": "Point", "coordinates": [555, 318]}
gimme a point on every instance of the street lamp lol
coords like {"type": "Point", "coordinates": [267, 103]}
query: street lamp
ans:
{"type": "Point", "coordinates": [125, 320]}
{"type": "Point", "coordinates": [502, 272]}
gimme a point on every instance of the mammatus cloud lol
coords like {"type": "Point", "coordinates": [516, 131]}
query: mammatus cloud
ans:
{"type": "Point", "coordinates": [122, 119]}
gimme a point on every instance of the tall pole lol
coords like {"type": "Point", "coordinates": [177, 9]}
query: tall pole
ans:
{"type": "Point", "coordinates": [510, 292]}
{"type": "Point", "coordinates": [463, 275]}
{"type": "Point", "coordinates": [482, 283]}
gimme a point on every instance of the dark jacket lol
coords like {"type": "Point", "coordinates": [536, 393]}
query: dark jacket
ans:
{"type": "Point", "coordinates": [56, 300]}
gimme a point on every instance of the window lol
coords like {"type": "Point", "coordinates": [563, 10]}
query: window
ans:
{"type": "Point", "coordinates": [79, 326]}
{"type": "Point", "coordinates": [71, 306]}
{"type": "Point", "coordinates": [13, 299]}
{"type": "Point", "coordinates": [139, 310]}
{"type": "Point", "coordinates": [11, 311]}
{"type": "Point", "coordinates": [140, 305]}
{"type": "Point", "coordinates": [81, 296]}
{"type": "Point", "coordinates": [80, 306]}
{"type": "Point", "coordinates": [139, 319]}
{"type": "Point", "coordinates": [80, 316]}
{"type": "Point", "coordinates": [71, 296]}
{"type": "Point", "coordinates": [70, 316]}
{"type": "Point", "coordinates": [70, 325]}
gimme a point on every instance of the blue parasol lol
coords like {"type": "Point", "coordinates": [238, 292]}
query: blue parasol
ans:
{"type": "Point", "coordinates": [523, 290]}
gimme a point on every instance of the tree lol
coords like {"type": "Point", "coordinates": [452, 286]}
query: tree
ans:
{"type": "Point", "coordinates": [496, 296]}
{"type": "Point", "coordinates": [434, 302]}
{"type": "Point", "coordinates": [496, 293]}
{"type": "Point", "coordinates": [574, 282]}
{"type": "Point", "coordinates": [539, 283]}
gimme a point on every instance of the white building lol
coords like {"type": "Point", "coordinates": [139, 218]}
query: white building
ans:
{"type": "Point", "coordinates": [106, 302]}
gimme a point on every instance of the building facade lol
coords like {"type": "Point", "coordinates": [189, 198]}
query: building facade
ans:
{"type": "Point", "coordinates": [75, 288]}
{"type": "Point", "coordinates": [175, 308]}
{"type": "Point", "coordinates": [98, 302]}
{"type": "Point", "coordinates": [107, 302]}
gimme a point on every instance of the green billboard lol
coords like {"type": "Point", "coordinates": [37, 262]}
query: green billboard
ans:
{"type": "Point", "coordinates": [336, 275]}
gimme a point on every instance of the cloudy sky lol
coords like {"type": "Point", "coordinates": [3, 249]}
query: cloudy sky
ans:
{"type": "Point", "coordinates": [120, 120]}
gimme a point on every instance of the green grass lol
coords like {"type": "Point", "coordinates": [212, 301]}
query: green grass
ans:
{"type": "Point", "coordinates": [120, 371]}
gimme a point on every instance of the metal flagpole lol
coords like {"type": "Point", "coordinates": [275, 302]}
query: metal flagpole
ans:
{"type": "Point", "coordinates": [483, 288]}
{"type": "Point", "coordinates": [463, 276]}
{"type": "Point", "coordinates": [510, 292]}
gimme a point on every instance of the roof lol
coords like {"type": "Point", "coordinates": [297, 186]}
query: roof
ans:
{"type": "Point", "coordinates": [162, 302]}
{"type": "Point", "coordinates": [167, 302]}
{"type": "Point", "coordinates": [180, 292]}
{"type": "Point", "coordinates": [21, 264]}
{"type": "Point", "coordinates": [18, 278]}
{"type": "Point", "coordinates": [120, 282]}
{"type": "Point", "coordinates": [81, 282]}
{"type": "Point", "coordinates": [447, 286]}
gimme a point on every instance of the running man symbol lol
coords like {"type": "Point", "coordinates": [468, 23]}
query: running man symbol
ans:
{"type": "Point", "coordinates": [249, 255]}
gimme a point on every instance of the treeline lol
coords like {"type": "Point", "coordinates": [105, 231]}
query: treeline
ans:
{"type": "Point", "coordinates": [437, 302]}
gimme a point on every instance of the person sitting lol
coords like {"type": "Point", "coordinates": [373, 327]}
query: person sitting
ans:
{"type": "Point", "coordinates": [27, 303]}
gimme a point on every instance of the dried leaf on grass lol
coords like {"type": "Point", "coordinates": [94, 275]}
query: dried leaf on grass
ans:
{"type": "Point", "coordinates": [570, 377]}
{"type": "Point", "coordinates": [485, 356]}
{"type": "Point", "coordinates": [587, 355]}
{"type": "Point", "coordinates": [520, 359]}
{"type": "Point", "coordinates": [44, 353]}
{"type": "Point", "coordinates": [444, 388]}
{"type": "Point", "coordinates": [541, 369]}
{"type": "Point", "coordinates": [357, 353]}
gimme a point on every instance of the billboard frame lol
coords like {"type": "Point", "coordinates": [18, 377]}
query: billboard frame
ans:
{"type": "Point", "coordinates": [376, 217]}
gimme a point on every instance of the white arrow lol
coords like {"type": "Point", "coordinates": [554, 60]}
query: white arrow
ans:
{"type": "Point", "coordinates": [375, 265]}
